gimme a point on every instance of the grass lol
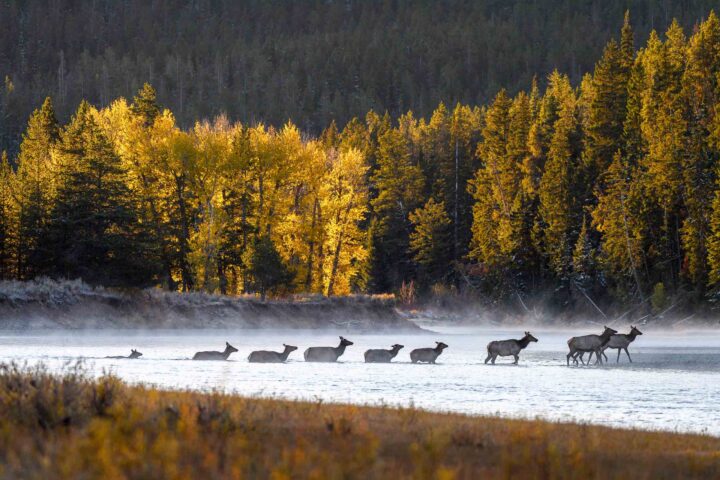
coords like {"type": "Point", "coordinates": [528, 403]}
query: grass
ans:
{"type": "Point", "coordinates": [73, 426]}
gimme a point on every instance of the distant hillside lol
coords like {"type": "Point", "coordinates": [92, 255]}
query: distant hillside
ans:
{"type": "Point", "coordinates": [312, 61]}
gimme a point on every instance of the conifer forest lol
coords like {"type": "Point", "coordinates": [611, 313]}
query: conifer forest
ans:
{"type": "Point", "coordinates": [570, 158]}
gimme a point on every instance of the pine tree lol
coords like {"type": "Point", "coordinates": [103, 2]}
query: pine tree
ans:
{"type": "Point", "coordinates": [605, 114]}
{"type": "Point", "coordinates": [399, 185]}
{"type": "Point", "coordinates": [94, 232]}
{"type": "Point", "coordinates": [429, 241]}
{"type": "Point", "coordinates": [145, 105]}
{"type": "Point", "coordinates": [701, 156]}
{"type": "Point", "coordinates": [6, 221]}
{"type": "Point", "coordinates": [664, 129]}
{"type": "Point", "coordinates": [494, 185]}
{"type": "Point", "coordinates": [35, 189]}
{"type": "Point", "coordinates": [267, 271]}
{"type": "Point", "coordinates": [558, 193]}
{"type": "Point", "coordinates": [619, 218]}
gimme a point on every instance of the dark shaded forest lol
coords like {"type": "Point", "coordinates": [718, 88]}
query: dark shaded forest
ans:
{"type": "Point", "coordinates": [310, 61]}
{"type": "Point", "coordinates": [579, 191]}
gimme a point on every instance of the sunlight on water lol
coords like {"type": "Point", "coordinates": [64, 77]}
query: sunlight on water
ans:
{"type": "Point", "coordinates": [673, 384]}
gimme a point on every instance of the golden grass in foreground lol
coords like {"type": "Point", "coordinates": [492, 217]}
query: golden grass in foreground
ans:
{"type": "Point", "coordinates": [72, 427]}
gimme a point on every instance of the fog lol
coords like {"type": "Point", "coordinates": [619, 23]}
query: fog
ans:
{"type": "Point", "coordinates": [673, 384]}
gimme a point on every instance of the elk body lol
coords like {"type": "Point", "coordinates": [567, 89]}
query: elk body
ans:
{"type": "Point", "coordinates": [589, 343]}
{"type": "Point", "coordinates": [382, 356]}
{"type": "Point", "coordinates": [326, 354]}
{"type": "Point", "coordinates": [212, 355]}
{"type": "Point", "coordinates": [506, 348]}
{"type": "Point", "coordinates": [266, 356]}
{"type": "Point", "coordinates": [133, 354]}
{"type": "Point", "coordinates": [427, 355]}
{"type": "Point", "coordinates": [620, 342]}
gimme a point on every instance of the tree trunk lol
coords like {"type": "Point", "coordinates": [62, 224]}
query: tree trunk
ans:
{"type": "Point", "coordinates": [184, 239]}
{"type": "Point", "coordinates": [309, 276]}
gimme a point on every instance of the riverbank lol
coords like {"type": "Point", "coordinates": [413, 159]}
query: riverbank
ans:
{"type": "Point", "coordinates": [70, 426]}
{"type": "Point", "coordinates": [49, 304]}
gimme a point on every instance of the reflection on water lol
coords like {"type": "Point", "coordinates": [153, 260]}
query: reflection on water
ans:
{"type": "Point", "coordinates": [673, 384]}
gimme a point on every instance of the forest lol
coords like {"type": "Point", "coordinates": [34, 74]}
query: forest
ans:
{"type": "Point", "coordinates": [602, 191]}
{"type": "Point", "coordinates": [309, 61]}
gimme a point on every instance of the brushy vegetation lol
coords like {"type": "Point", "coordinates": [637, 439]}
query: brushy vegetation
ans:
{"type": "Point", "coordinates": [73, 426]}
{"type": "Point", "coordinates": [48, 303]}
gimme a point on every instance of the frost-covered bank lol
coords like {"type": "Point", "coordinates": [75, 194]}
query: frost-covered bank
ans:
{"type": "Point", "coordinates": [73, 304]}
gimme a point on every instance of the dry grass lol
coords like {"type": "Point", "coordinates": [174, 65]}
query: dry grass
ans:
{"type": "Point", "coordinates": [70, 426]}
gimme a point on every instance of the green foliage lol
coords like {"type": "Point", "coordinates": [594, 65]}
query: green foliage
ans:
{"type": "Point", "coordinates": [94, 231]}
{"type": "Point", "coordinates": [609, 184]}
{"type": "Point", "coordinates": [267, 271]}
{"type": "Point", "coordinates": [430, 241]}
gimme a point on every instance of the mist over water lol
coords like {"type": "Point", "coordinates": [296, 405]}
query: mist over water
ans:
{"type": "Point", "coordinates": [673, 384]}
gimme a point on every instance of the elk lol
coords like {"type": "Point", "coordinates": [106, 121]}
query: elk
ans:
{"type": "Point", "coordinates": [326, 354]}
{"type": "Point", "coordinates": [506, 348]}
{"type": "Point", "coordinates": [427, 355]}
{"type": "Point", "coordinates": [589, 343]}
{"type": "Point", "coordinates": [266, 356]}
{"type": "Point", "coordinates": [382, 356]}
{"type": "Point", "coordinates": [133, 354]}
{"type": "Point", "coordinates": [212, 355]}
{"type": "Point", "coordinates": [620, 342]}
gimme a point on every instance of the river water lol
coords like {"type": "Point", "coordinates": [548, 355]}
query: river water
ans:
{"type": "Point", "coordinates": [673, 384]}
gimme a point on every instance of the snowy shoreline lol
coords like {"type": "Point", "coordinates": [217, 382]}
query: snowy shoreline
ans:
{"type": "Point", "coordinates": [50, 304]}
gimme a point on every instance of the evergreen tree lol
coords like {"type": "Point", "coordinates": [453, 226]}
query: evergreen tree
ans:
{"type": "Point", "coordinates": [558, 192]}
{"type": "Point", "coordinates": [429, 241]}
{"type": "Point", "coordinates": [605, 115]}
{"type": "Point", "coordinates": [145, 105]}
{"type": "Point", "coordinates": [35, 189]}
{"type": "Point", "coordinates": [399, 185]}
{"type": "Point", "coordinates": [267, 271]}
{"type": "Point", "coordinates": [494, 185]}
{"type": "Point", "coordinates": [6, 224]}
{"type": "Point", "coordinates": [94, 230]}
{"type": "Point", "coordinates": [700, 156]}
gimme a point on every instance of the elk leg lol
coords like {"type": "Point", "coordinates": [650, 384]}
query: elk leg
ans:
{"type": "Point", "coordinates": [493, 359]}
{"type": "Point", "coordinates": [603, 354]}
{"type": "Point", "coordinates": [516, 359]}
{"type": "Point", "coordinates": [581, 356]}
{"type": "Point", "coordinates": [626, 352]}
{"type": "Point", "coordinates": [618, 357]}
{"type": "Point", "coordinates": [488, 358]}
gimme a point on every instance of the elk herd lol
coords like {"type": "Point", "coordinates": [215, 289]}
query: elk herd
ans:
{"type": "Point", "coordinates": [578, 347]}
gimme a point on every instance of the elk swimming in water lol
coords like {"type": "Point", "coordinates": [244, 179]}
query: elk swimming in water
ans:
{"type": "Point", "coordinates": [265, 356]}
{"type": "Point", "coordinates": [212, 355]}
{"type": "Point", "coordinates": [326, 354]}
{"type": "Point", "coordinates": [427, 355]}
{"type": "Point", "coordinates": [382, 356]}
{"type": "Point", "coordinates": [133, 354]}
